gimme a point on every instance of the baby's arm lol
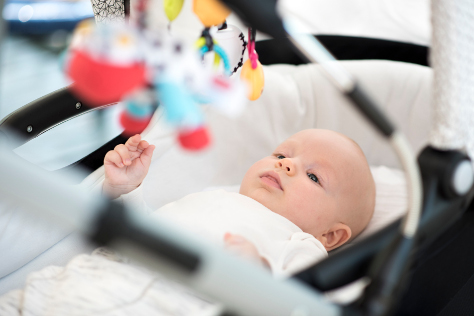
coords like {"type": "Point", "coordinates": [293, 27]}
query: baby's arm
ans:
{"type": "Point", "coordinates": [301, 251]}
{"type": "Point", "coordinates": [126, 166]}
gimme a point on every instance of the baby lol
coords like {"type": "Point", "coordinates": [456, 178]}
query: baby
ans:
{"type": "Point", "coordinates": [315, 193]}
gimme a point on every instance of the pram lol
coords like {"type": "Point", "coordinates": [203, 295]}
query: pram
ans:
{"type": "Point", "coordinates": [331, 263]}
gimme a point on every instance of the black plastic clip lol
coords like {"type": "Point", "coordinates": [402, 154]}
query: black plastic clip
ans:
{"type": "Point", "coordinates": [223, 26]}
{"type": "Point", "coordinates": [207, 36]}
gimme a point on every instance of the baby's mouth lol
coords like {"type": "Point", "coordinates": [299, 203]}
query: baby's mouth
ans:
{"type": "Point", "coordinates": [271, 179]}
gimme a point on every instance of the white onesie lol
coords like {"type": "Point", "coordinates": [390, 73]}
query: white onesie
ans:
{"type": "Point", "coordinates": [211, 214]}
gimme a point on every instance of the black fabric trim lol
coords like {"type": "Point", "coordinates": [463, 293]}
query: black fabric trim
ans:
{"type": "Point", "coordinates": [442, 277]}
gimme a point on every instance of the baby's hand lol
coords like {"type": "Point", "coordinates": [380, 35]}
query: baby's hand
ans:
{"type": "Point", "coordinates": [126, 166]}
{"type": "Point", "coordinates": [243, 248]}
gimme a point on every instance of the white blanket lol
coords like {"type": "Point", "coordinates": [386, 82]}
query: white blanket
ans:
{"type": "Point", "coordinates": [102, 284]}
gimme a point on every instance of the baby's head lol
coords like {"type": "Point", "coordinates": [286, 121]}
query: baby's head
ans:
{"type": "Point", "coordinates": [318, 179]}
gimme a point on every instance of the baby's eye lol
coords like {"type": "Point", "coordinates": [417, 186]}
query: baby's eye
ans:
{"type": "Point", "coordinates": [313, 177]}
{"type": "Point", "coordinates": [281, 157]}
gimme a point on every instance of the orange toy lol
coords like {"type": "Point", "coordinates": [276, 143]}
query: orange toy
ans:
{"type": "Point", "coordinates": [210, 12]}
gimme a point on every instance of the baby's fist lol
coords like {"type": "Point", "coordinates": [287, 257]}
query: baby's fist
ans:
{"type": "Point", "coordinates": [126, 166]}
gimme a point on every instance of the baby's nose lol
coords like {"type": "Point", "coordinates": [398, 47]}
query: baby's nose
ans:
{"type": "Point", "coordinates": [287, 165]}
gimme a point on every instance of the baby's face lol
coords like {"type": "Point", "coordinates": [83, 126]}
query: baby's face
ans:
{"type": "Point", "coordinates": [309, 179]}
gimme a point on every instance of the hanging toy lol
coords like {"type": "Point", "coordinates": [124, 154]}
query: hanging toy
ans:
{"type": "Point", "coordinates": [210, 12]}
{"type": "Point", "coordinates": [105, 64]}
{"type": "Point", "coordinates": [207, 44]}
{"type": "Point", "coordinates": [144, 69]}
{"type": "Point", "coordinates": [175, 83]}
{"type": "Point", "coordinates": [252, 70]}
{"type": "Point", "coordinates": [172, 8]}
{"type": "Point", "coordinates": [182, 111]}
{"type": "Point", "coordinates": [194, 139]}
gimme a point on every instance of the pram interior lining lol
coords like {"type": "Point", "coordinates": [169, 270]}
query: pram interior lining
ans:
{"type": "Point", "coordinates": [295, 98]}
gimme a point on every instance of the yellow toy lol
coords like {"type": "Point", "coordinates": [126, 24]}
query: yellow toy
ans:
{"type": "Point", "coordinates": [254, 79]}
{"type": "Point", "coordinates": [252, 71]}
{"type": "Point", "coordinates": [172, 8]}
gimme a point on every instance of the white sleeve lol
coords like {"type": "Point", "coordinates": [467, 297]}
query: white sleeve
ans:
{"type": "Point", "coordinates": [301, 251]}
{"type": "Point", "coordinates": [135, 200]}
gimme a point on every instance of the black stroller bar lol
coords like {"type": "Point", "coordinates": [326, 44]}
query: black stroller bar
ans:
{"type": "Point", "coordinates": [42, 114]}
{"type": "Point", "coordinates": [45, 113]}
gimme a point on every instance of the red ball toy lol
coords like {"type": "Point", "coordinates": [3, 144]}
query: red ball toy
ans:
{"type": "Point", "coordinates": [100, 83]}
{"type": "Point", "coordinates": [194, 140]}
{"type": "Point", "coordinates": [133, 125]}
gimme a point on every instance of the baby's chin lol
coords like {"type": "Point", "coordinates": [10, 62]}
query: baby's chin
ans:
{"type": "Point", "coordinates": [262, 196]}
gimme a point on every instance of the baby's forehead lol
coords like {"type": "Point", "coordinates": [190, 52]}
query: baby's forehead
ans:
{"type": "Point", "coordinates": [320, 140]}
{"type": "Point", "coordinates": [330, 150]}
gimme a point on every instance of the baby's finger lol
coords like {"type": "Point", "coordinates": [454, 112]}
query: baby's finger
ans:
{"type": "Point", "coordinates": [113, 157]}
{"type": "Point", "coordinates": [122, 150]}
{"type": "Point", "coordinates": [142, 145]}
{"type": "Point", "coordinates": [139, 149]}
{"type": "Point", "coordinates": [133, 142]}
{"type": "Point", "coordinates": [146, 155]}
{"type": "Point", "coordinates": [233, 238]}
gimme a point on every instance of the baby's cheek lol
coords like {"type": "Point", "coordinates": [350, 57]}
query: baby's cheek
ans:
{"type": "Point", "coordinates": [301, 197]}
{"type": "Point", "coordinates": [306, 205]}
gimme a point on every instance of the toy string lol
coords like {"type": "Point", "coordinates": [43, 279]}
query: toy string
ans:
{"type": "Point", "coordinates": [141, 8]}
{"type": "Point", "coordinates": [253, 56]}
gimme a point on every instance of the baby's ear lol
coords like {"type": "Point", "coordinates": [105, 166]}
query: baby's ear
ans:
{"type": "Point", "coordinates": [335, 237]}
